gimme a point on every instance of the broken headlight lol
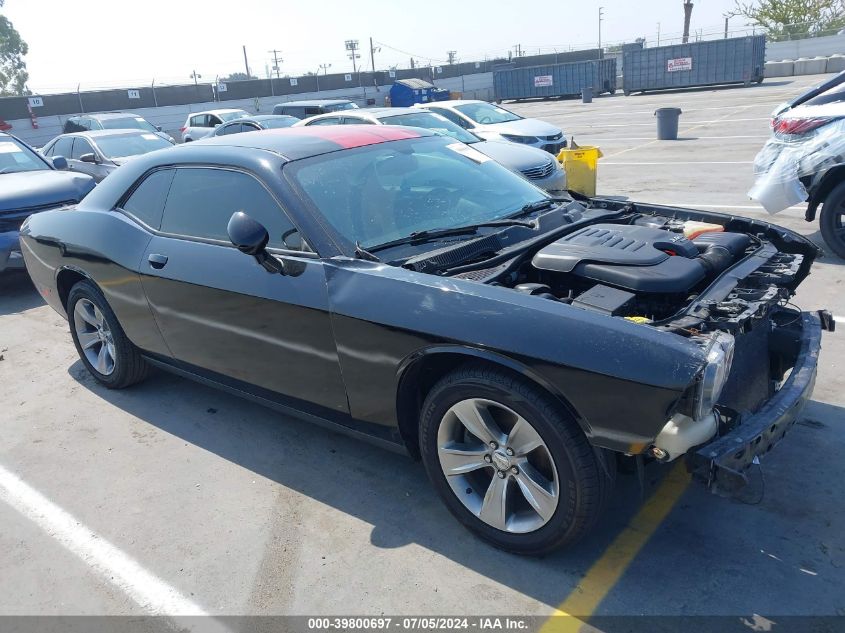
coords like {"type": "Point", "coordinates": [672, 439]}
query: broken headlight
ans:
{"type": "Point", "coordinates": [720, 354]}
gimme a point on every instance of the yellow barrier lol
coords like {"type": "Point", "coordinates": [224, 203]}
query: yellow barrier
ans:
{"type": "Point", "coordinates": [581, 166]}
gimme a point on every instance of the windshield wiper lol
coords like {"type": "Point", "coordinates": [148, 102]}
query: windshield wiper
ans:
{"type": "Point", "coordinates": [419, 237]}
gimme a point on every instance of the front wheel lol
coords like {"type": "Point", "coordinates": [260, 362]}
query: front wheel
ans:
{"type": "Point", "coordinates": [510, 463]}
{"type": "Point", "coordinates": [100, 341]}
{"type": "Point", "coordinates": [832, 220]}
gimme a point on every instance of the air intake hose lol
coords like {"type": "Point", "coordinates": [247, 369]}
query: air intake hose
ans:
{"type": "Point", "coordinates": [715, 258]}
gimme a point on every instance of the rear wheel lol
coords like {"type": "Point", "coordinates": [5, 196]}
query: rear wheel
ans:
{"type": "Point", "coordinates": [832, 220]}
{"type": "Point", "coordinates": [509, 462]}
{"type": "Point", "coordinates": [100, 341]}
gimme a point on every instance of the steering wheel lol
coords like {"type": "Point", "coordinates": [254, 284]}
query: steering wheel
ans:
{"type": "Point", "coordinates": [441, 200]}
{"type": "Point", "coordinates": [485, 119]}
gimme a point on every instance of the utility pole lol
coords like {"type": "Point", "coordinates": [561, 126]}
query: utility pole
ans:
{"type": "Point", "coordinates": [325, 68]}
{"type": "Point", "coordinates": [373, 51]}
{"type": "Point", "coordinates": [276, 60]}
{"type": "Point", "coordinates": [352, 49]}
{"type": "Point", "coordinates": [452, 55]}
{"type": "Point", "coordinates": [194, 75]}
{"type": "Point", "coordinates": [687, 18]}
{"type": "Point", "coordinates": [246, 63]}
{"type": "Point", "coordinates": [601, 17]}
{"type": "Point", "coordinates": [658, 33]}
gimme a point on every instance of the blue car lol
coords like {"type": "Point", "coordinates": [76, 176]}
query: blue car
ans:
{"type": "Point", "coordinates": [29, 183]}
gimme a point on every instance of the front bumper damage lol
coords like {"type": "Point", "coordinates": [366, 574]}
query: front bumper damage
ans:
{"type": "Point", "coordinates": [722, 464]}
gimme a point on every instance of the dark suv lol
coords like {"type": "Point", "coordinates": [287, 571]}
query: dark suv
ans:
{"type": "Point", "coordinates": [112, 121]}
{"type": "Point", "coordinates": [30, 183]}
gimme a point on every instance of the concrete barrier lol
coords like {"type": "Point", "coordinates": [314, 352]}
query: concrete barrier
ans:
{"type": "Point", "coordinates": [806, 66]}
{"type": "Point", "coordinates": [835, 63]}
{"type": "Point", "coordinates": [783, 68]}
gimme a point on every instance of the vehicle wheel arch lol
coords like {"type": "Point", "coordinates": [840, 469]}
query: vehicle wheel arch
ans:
{"type": "Point", "coordinates": [420, 371]}
{"type": "Point", "coordinates": [66, 278]}
{"type": "Point", "coordinates": [831, 179]}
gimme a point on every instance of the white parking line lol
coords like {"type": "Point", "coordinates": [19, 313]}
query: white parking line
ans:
{"type": "Point", "coordinates": [839, 319]}
{"type": "Point", "coordinates": [684, 162]}
{"type": "Point", "coordinates": [152, 594]}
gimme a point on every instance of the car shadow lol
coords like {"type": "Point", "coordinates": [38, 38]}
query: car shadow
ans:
{"type": "Point", "coordinates": [387, 490]}
{"type": "Point", "coordinates": [17, 294]}
{"type": "Point", "coordinates": [390, 492]}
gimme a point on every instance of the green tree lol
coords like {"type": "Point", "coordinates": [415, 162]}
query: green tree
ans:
{"type": "Point", "coordinates": [794, 19]}
{"type": "Point", "coordinates": [238, 77]}
{"type": "Point", "coordinates": [13, 74]}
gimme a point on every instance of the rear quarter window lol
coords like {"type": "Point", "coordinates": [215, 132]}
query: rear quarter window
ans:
{"type": "Point", "coordinates": [146, 203]}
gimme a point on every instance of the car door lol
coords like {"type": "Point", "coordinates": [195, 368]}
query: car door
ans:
{"type": "Point", "coordinates": [62, 147]}
{"type": "Point", "coordinates": [81, 147]}
{"type": "Point", "coordinates": [219, 310]}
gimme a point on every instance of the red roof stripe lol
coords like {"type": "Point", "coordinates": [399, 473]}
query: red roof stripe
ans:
{"type": "Point", "coordinates": [349, 136]}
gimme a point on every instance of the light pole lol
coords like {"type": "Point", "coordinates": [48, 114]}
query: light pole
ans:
{"type": "Point", "coordinates": [352, 48]}
{"type": "Point", "coordinates": [601, 14]}
{"type": "Point", "coordinates": [324, 68]}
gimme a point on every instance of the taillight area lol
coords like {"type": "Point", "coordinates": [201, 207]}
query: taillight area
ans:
{"type": "Point", "coordinates": [182, 129]}
{"type": "Point", "coordinates": [792, 126]}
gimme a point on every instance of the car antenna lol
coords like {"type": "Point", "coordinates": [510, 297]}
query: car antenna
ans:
{"type": "Point", "coordinates": [360, 253]}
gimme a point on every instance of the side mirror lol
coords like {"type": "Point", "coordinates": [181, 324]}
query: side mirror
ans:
{"type": "Point", "coordinates": [158, 127]}
{"type": "Point", "coordinates": [59, 162]}
{"type": "Point", "coordinates": [90, 157]}
{"type": "Point", "coordinates": [250, 237]}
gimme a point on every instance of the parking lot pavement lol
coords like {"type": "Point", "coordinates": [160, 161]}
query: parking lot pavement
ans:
{"type": "Point", "coordinates": [171, 493]}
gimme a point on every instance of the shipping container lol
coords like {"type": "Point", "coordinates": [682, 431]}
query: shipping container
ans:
{"type": "Point", "coordinates": [727, 61]}
{"type": "Point", "coordinates": [555, 80]}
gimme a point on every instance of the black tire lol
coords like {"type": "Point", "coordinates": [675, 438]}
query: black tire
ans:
{"type": "Point", "coordinates": [129, 367]}
{"type": "Point", "coordinates": [587, 475]}
{"type": "Point", "coordinates": [832, 220]}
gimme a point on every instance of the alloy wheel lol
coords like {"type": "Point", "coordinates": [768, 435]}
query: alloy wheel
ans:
{"type": "Point", "coordinates": [497, 465]}
{"type": "Point", "coordinates": [94, 336]}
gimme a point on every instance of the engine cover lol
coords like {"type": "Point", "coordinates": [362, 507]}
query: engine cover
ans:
{"type": "Point", "coordinates": [638, 258]}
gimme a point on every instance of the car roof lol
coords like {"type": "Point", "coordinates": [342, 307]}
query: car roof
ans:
{"type": "Point", "coordinates": [219, 111]}
{"type": "Point", "coordinates": [304, 142]}
{"type": "Point", "coordinates": [109, 115]}
{"type": "Point", "coordinates": [452, 103]}
{"type": "Point", "coordinates": [313, 102]}
{"type": "Point", "coordinates": [264, 117]}
{"type": "Point", "coordinates": [95, 134]}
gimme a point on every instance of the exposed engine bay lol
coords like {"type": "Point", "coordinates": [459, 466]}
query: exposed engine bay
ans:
{"type": "Point", "coordinates": [723, 282]}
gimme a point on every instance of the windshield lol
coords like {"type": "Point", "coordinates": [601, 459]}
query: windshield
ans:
{"type": "Point", "coordinates": [487, 113]}
{"type": "Point", "coordinates": [384, 192]}
{"type": "Point", "coordinates": [127, 123]}
{"type": "Point", "coordinates": [282, 121]}
{"type": "Point", "coordinates": [130, 144]}
{"type": "Point", "coordinates": [340, 106]}
{"type": "Point", "coordinates": [16, 157]}
{"type": "Point", "coordinates": [431, 121]}
{"type": "Point", "coordinates": [231, 116]}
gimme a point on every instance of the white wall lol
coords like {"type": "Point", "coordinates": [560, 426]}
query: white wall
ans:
{"type": "Point", "coordinates": [810, 47]}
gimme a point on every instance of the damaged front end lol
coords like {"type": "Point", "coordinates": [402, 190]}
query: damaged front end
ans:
{"type": "Point", "coordinates": [724, 283]}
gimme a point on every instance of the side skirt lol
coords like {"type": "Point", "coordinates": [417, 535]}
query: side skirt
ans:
{"type": "Point", "coordinates": [381, 436]}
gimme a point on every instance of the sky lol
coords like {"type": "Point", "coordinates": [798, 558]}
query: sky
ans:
{"type": "Point", "coordinates": [115, 43]}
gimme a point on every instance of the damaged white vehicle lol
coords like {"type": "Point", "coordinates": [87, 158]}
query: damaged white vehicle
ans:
{"type": "Point", "coordinates": [805, 159]}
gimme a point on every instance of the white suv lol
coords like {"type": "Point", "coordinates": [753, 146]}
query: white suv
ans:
{"type": "Point", "coordinates": [201, 124]}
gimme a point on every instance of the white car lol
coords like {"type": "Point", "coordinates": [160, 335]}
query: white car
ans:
{"type": "Point", "coordinates": [534, 164]}
{"type": "Point", "coordinates": [201, 124]}
{"type": "Point", "coordinates": [494, 123]}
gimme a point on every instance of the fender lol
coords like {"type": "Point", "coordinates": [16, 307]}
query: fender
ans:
{"type": "Point", "coordinates": [417, 358]}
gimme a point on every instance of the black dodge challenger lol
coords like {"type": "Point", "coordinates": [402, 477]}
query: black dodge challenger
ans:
{"type": "Point", "coordinates": [400, 286]}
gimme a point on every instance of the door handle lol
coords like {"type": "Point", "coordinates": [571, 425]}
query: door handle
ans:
{"type": "Point", "coordinates": [157, 261]}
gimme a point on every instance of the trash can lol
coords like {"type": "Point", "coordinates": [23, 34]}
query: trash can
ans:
{"type": "Point", "coordinates": [667, 123]}
{"type": "Point", "coordinates": [581, 167]}
{"type": "Point", "coordinates": [587, 94]}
